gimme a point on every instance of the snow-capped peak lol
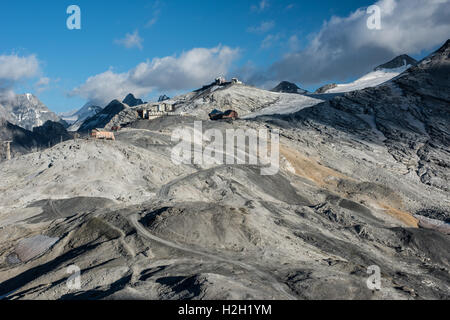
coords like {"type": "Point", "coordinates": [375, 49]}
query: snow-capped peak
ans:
{"type": "Point", "coordinates": [379, 75]}
{"type": "Point", "coordinates": [398, 62]}
{"type": "Point", "coordinates": [77, 117]}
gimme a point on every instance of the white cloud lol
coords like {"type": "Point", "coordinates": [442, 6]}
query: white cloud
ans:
{"type": "Point", "coordinates": [270, 40]}
{"type": "Point", "coordinates": [44, 81]}
{"type": "Point", "coordinates": [14, 69]}
{"type": "Point", "coordinates": [262, 28]}
{"type": "Point", "coordinates": [294, 43]}
{"type": "Point", "coordinates": [156, 7]}
{"type": "Point", "coordinates": [151, 22]}
{"type": "Point", "coordinates": [42, 84]}
{"type": "Point", "coordinates": [345, 47]}
{"type": "Point", "coordinates": [156, 12]}
{"type": "Point", "coordinates": [104, 87]}
{"type": "Point", "coordinates": [131, 40]}
{"type": "Point", "coordinates": [290, 6]}
{"type": "Point", "coordinates": [261, 6]}
{"type": "Point", "coordinates": [191, 69]}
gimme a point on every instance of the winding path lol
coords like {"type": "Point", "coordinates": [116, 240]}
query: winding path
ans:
{"type": "Point", "coordinates": [273, 282]}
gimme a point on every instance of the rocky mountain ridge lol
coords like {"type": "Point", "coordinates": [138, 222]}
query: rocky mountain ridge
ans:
{"type": "Point", "coordinates": [27, 111]}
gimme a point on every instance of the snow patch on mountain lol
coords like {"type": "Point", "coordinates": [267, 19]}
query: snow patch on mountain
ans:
{"type": "Point", "coordinates": [371, 79]}
{"type": "Point", "coordinates": [379, 75]}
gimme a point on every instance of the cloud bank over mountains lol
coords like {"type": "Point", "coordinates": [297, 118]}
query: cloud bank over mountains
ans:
{"type": "Point", "coordinates": [188, 70]}
{"type": "Point", "coordinates": [345, 47]}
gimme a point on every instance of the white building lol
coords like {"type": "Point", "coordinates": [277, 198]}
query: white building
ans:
{"type": "Point", "coordinates": [155, 110]}
{"type": "Point", "coordinates": [220, 80]}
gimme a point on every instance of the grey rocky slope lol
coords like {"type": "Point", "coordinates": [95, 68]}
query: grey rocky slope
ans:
{"type": "Point", "coordinates": [52, 133]}
{"type": "Point", "coordinates": [326, 87]}
{"type": "Point", "coordinates": [408, 115]}
{"type": "Point", "coordinates": [349, 195]}
{"type": "Point", "coordinates": [27, 111]}
{"type": "Point", "coordinates": [24, 141]}
{"type": "Point", "coordinates": [248, 101]}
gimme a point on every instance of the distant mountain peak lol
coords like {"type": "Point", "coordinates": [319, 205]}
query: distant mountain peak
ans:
{"type": "Point", "coordinates": [445, 46]}
{"type": "Point", "coordinates": [101, 119]}
{"type": "Point", "coordinates": [132, 101]}
{"type": "Point", "coordinates": [288, 87]}
{"type": "Point", "coordinates": [438, 59]}
{"type": "Point", "coordinates": [114, 102]}
{"type": "Point", "coordinates": [397, 62]}
{"type": "Point", "coordinates": [163, 98]}
{"type": "Point", "coordinates": [77, 117]}
{"type": "Point", "coordinates": [27, 111]}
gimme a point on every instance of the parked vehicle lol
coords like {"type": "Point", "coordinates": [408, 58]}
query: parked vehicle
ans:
{"type": "Point", "coordinates": [219, 115]}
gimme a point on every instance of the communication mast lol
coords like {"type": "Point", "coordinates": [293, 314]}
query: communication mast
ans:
{"type": "Point", "coordinates": [8, 149]}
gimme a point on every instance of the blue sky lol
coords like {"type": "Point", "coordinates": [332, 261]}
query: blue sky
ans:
{"type": "Point", "coordinates": [252, 38]}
